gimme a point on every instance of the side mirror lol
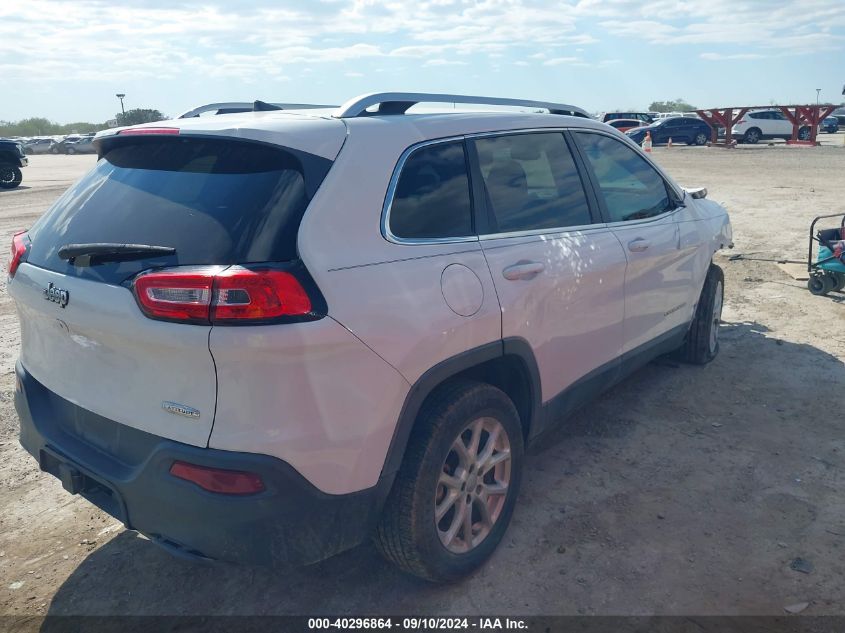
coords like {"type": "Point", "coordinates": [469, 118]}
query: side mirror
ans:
{"type": "Point", "coordinates": [697, 194]}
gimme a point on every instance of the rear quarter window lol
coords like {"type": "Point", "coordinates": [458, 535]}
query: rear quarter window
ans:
{"type": "Point", "coordinates": [431, 199]}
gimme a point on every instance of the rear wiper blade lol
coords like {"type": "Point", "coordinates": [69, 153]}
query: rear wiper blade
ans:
{"type": "Point", "coordinates": [88, 254]}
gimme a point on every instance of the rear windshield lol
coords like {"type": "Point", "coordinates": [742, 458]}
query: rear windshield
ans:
{"type": "Point", "coordinates": [214, 201]}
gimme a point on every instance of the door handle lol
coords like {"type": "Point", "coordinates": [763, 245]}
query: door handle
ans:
{"type": "Point", "coordinates": [523, 270]}
{"type": "Point", "coordinates": [638, 245]}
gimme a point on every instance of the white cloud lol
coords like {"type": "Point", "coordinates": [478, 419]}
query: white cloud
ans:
{"type": "Point", "coordinates": [445, 62]}
{"type": "Point", "coordinates": [557, 61]}
{"type": "Point", "coordinates": [104, 41]}
{"type": "Point", "coordinates": [719, 56]}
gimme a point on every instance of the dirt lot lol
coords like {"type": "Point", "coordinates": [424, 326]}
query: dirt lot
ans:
{"type": "Point", "coordinates": [684, 490]}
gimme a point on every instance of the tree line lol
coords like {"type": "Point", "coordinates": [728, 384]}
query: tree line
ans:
{"type": "Point", "coordinates": [39, 126]}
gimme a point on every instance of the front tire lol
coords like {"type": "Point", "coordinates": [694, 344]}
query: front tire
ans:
{"type": "Point", "coordinates": [10, 176]}
{"type": "Point", "coordinates": [701, 138]}
{"type": "Point", "coordinates": [702, 343]}
{"type": "Point", "coordinates": [455, 492]}
{"type": "Point", "coordinates": [752, 136]}
{"type": "Point", "coordinates": [804, 134]}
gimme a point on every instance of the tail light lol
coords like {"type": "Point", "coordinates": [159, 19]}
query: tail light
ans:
{"type": "Point", "coordinates": [234, 295]}
{"type": "Point", "coordinates": [20, 242]}
{"type": "Point", "coordinates": [175, 295]}
{"type": "Point", "coordinates": [227, 482]}
{"type": "Point", "coordinates": [246, 294]}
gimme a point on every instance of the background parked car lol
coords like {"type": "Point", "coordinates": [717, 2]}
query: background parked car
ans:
{"type": "Point", "coordinates": [831, 125]}
{"type": "Point", "coordinates": [623, 125]}
{"type": "Point", "coordinates": [39, 146]}
{"type": "Point", "coordinates": [612, 116]}
{"type": "Point", "coordinates": [680, 129]}
{"type": "Point", "coordinates": [11, 160]}
{"type": "Point", "coordinates": [61, 146]}
{"type": "Point", "coordinates": [669, 115]}
{"type": "Point", "coordinates": [766, 124]}
{"type": "Point", "coordinates": [83, 145]}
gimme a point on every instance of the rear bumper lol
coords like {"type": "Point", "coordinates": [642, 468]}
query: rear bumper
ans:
{"type": "Point", "coordinates": [125, 472]}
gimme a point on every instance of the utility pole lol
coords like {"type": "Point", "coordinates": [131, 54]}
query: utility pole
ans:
{"type": "Point", "coordinates": [120, 96]}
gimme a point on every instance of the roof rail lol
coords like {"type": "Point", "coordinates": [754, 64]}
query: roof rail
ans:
{"type": "Point", "coordinates": [248, 106]}
{"type": "Point", "coordinates": [400, 102]}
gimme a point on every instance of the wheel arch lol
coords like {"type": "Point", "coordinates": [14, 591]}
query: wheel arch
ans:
{"type": "Point", "coordinates": [508, 364]}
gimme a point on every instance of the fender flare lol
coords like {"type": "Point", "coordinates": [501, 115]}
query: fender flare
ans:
{"type": "Point", "coordinates": [448, 368]}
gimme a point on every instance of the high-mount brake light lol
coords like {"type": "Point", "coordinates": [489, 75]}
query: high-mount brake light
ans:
{"type": "Point", "coordinates": [234, 295]}
{"type": "Point", "coordinates": [19, 247]}
{"type": "Point", "coordinates": [148, 130]}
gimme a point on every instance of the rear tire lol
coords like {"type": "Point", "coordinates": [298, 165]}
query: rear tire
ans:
{"type": "Point", "coordinates": [701, 138]}
{"type": "Point", "coordinates": [840, 281]}
{"type": "Point", "coordinates": [440, 473]}
{"type": "Point", "coordinates": [804, 134]}
{"type": "Point", "coordinates": [702, 343]}
{"type": "Point", "coordinates": [10, 176]}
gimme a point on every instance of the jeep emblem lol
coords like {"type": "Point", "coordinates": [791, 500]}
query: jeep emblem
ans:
{"type": "Point", "coordinates": [56, 294]}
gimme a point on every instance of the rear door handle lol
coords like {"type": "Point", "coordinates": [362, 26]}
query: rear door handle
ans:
{"type": "Point", "coordinates": [638, 245]}
{"type": "Point", "coordinates": [523, 270]}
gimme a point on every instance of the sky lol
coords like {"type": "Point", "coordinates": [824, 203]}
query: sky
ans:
{"type": "Point", "coordinates": [66, 59]}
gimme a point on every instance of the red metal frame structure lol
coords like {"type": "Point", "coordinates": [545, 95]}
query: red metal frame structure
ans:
{"type": "Point", "coordinates": [798, 115]}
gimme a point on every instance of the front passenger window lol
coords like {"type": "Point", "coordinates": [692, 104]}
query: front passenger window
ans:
{"type": "Point", "coordinates": [632, 189]}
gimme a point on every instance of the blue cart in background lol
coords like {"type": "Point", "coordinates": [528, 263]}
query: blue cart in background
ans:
{"type": "Point", "coordinates": [827, 270]}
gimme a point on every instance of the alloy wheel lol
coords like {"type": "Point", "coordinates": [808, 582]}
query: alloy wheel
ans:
{"type": "Point", "coordinates": [473, 485]}
{"type": "Point", "coordinates": [717, 317]}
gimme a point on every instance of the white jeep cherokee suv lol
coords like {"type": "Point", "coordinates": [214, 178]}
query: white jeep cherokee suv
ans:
{"type": "Point", "coordinates": [267, 336]}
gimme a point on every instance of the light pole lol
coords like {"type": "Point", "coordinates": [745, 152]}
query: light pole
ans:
{"type": "Point", "coordinates": [120, 96]}
{"type": "Point", "coordinates": [818, 91]}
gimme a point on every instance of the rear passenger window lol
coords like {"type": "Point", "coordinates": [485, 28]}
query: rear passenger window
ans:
{"type": "Point", "coordinates": [532, 183]}
{"type": "Point", "coordinates": [632, 188]}
{"type": "Point", "coordinates": [432, 197]}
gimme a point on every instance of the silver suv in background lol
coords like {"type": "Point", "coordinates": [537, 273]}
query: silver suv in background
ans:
{"type": "Point", "coordinates": [267, 336]}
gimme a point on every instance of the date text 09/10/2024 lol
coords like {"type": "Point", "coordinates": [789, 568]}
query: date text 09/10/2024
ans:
{"type": "Point", "coordinates": [417, 624]}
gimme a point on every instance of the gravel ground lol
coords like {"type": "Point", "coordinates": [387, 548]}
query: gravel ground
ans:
{"type": "Point", "coordinates": [684, 490]}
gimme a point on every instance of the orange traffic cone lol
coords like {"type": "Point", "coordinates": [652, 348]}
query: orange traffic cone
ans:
{"type": "Point", "coordinates": [647, 143]}
{"type": "Point", "coordinates": [669, 146]}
